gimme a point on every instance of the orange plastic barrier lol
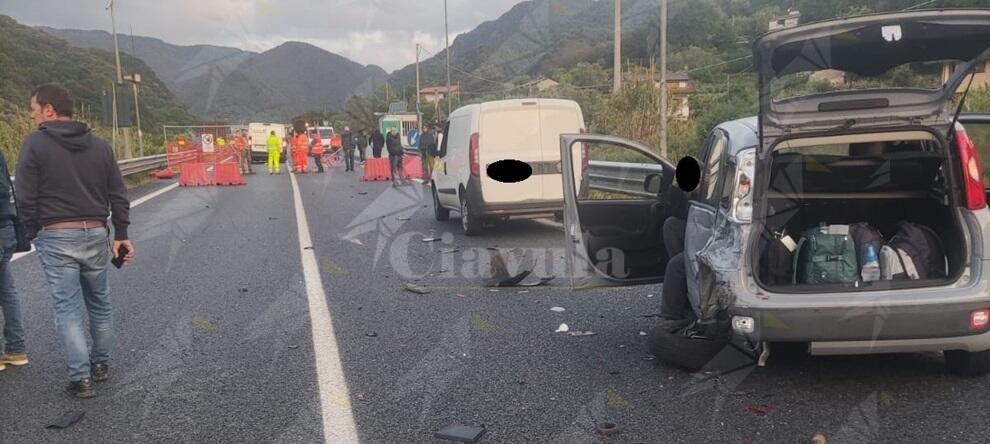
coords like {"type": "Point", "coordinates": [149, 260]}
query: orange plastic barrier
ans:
{"type": "Point", "coordinates": [194, 175]}
{"type": "Point", "coordinates": [228, 174]}
{"type": "Point", "coordinates": [412, 166]}
{"type": "Point", "coordinates": [377, 170]}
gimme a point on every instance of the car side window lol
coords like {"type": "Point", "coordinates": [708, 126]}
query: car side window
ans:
{"type": "Point", "coordinates": [712, 179]}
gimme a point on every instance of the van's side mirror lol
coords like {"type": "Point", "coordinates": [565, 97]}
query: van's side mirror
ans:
{"type": "Point", "coordinates": [652, 183]}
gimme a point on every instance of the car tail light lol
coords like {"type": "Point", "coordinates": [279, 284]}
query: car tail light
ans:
{"type": "Point", "coordinates": [979, 319]}
{"type": "Point", "coordinates": [976, 198]}
{"type": "Point", "coordinates": [742, 198]}
{"type": "Point", "coordinates": [473, 155]}
{"type": "Point", "coordinates": [585, 148]}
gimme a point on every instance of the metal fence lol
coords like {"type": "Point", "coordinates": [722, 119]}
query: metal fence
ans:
{"type": "Point", "coordinates": [621, 177]}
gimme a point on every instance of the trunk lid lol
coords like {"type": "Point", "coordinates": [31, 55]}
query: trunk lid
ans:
{"type": "Point", "coordinates": [869, 53]}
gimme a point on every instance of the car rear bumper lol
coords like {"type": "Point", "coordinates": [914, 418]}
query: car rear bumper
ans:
{"type": "Point", "coordinates": [867, 322]}
{"type": "Point", "coordinates": [511, 209]}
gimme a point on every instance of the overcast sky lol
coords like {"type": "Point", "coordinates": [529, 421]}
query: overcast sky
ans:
{"type": "Point", "coordinates": [379, 32]}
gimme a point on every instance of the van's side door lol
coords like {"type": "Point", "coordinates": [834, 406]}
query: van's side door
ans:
{"type": "Point", "coordinates": [443, 180]}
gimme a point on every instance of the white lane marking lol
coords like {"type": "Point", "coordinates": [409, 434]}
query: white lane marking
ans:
{"type": "Point", "coordinates": [338, 419]}
{"type": "Point", "coordinates": [137, 202]}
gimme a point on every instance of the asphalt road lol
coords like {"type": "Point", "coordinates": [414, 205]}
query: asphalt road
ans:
{"type": "Point", "coordinates": [215, 342]}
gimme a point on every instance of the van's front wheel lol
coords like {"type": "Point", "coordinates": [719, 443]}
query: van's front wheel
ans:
{"type": "Point", "coordinates": [469, 222]}
{"type": "Point", "coordinates": [965, 363]}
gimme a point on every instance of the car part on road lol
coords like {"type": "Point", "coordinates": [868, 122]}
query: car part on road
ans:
{"type": "Point", "coordinates": [461, 433]}
{"type": "Point", "coordinates": [562, 329]}
{"type": "Point", "coordinates": [581, 333]}
{"type": "Point", "coordinates": [543, 281]}
{"type": "Point", "coordinates": [414, 289]}
{"type": "Point", "coordinates": [499, 273]}
{"type": "Point", "coordinates": [607, 429]}
{"type": "Point", "coordinates": [558, 309]}
{"type": "Point", "coordinates": [68, 419]}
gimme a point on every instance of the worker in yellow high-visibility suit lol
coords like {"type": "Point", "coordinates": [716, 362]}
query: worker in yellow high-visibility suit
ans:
{"type": "Point", "coordinates": [274, 144]}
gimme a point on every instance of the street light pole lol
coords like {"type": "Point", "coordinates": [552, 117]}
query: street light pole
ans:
{"type": "Point", "coordinates": [663, 78]}
{"type": "Point", "coordinates": [419, 115]}
{"type": "Point", "coordinates": [446, 36]}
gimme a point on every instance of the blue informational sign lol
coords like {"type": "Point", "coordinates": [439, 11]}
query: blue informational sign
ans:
{"type": "Point", "coordinates": [413, 136]}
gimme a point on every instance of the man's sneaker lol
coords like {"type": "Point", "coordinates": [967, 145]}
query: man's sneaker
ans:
{"type": "Point", "coordinates": [81, 389]}
{"type": "Point", "coordinates": [15, 359]}
{"type": "Point", "coordinates": [99, 372]}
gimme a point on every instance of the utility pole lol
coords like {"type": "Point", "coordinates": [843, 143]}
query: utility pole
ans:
{"type": "Point", "coordinates": [119, 82]}
{"type": "Point", "coordinates": [663, 78]}
{"type": "Point", "coordinates": [446, 37]}
{"type": "Point", "coordinates": [135, 79]}
{"type": "Point", "coordinates": [617, 59]}
{"type": "Point", "coordinates": [419, 115]}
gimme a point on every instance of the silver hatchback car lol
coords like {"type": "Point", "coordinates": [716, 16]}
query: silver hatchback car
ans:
{"type": "Point", "coordinates": [858, 153]}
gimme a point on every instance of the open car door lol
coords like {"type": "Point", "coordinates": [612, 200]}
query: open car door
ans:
{"type": "Point", "coordinates": [613, 210]}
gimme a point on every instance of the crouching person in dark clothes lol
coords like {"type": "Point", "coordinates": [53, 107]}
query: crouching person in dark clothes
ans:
{"type": "Point", "coordinates": [68, 186]}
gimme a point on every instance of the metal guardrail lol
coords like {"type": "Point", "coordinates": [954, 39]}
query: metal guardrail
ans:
{"type": "Point", "coordinates": [621, 177]}
{"type": "Point", "coordinates": [142, 164]}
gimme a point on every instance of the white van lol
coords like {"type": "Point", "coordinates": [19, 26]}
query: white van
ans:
{"type": "Point", "coordinates": [479, 139]}
{"type": "Point", "coordinates": [258, 138]}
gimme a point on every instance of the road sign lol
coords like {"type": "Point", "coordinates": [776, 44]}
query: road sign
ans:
{"type": "Point", "coordinates": [207, 143]}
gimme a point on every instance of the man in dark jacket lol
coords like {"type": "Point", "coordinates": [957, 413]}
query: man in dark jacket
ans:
{"type": "Point", "coordinates": [361, 143]}
{"type": "Point", "coordinates": [393, 143]}
{"type": "Point", "coordinates": [377, 143]}
{"type": "Point", "coordinates": [347, 147]}
{"type": "Point", "coordinates": [14, 352]}
{"type": "Point", "coordinates": [427, 150]}
{"type": "Point", "coordinates": [68, 185]}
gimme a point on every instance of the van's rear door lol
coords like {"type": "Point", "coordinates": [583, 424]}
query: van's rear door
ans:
{"type": "Point", "coordinates": [556, 117]}
{"type": "Point", "coordinates": [510, 130]}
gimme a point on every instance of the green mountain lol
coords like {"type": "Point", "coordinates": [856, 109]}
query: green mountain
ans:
{"type": "Point", "coordinates": [228, 84]}
{"type": "Point", "coordinates": [30, 57]}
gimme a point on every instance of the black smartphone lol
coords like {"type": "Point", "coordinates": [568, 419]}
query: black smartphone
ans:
{"type": "Point", "coordinates": [119, 260]}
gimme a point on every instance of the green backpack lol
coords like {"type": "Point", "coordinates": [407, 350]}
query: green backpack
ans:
{"type": "Point", "coordinates": [826, 255]}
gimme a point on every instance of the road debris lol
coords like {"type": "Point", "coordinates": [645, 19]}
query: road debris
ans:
{"type": "Point", "coordinates": [414, 289]}
{"type": "Point", "coordinates": [607, 429]}
{"type": "Point", "coordinates": [372, 334]}
{"type": "Point", "coordinates": [449, 250]}
{"type": "Point", "coordinates": [307, 248]}
{"type": "Point", "coordinates": [461, 433]}
{"type": "Point", "coordinates": [363, 193]}
{"type": "Point", "coordinates": [66, 420]}
{"type": "Point", "coordinates": [642, 333]}
{"type": "Point", "coordinates": [543, 281]}
{"type": "Point", "coordinates": [563, 328]}
{"type": "Point", "coordinates": [582, 333]}
{"type": "Point", "coordinates": [523, 291]}
{"type": "Point", "coordinates": [403, 218]}
{"type": "Point", "coordinates": [361, 397]}
{"type": "Point", "coordinates": [819, 438]}
{"type": "Point", "coordinates": [431, 239]}
{"type": "Point", "coordinates": [558, 309]}
{"type": "Point", "coordinates": [244, 290]}
{"type": "Point", "coordinates": [758, 410]}
{"type": "Point", "coordinates": [293, 347]}
{"type": "Point", "coordinates": [499, 273]}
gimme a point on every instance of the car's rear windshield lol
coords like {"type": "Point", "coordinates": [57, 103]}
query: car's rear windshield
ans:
{"type": "Point", "coordinates": [914, 75]}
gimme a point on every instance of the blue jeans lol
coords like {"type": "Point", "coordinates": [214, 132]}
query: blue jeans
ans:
{"type": "Point", "coordinates": [75, 265]}
{"type": "Point", "coordinates": [13, 330]}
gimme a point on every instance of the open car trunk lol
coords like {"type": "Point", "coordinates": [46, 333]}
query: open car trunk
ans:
{"type": "Point", "coordinates": [879, 179]}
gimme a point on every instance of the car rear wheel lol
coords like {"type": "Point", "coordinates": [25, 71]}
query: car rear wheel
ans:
{"type": "Point", "coordinates": [469, 222]}
{"type": "Point", "coordinates": [965, 363]}
{"type": "Point", "coordinates": [439, 212]}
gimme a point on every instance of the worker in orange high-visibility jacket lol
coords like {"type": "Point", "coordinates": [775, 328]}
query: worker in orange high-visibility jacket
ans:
{"type": "Point", "coordinates": [300, 151]}
{"type": "Point", "coordinates": [317, 151]}
{"type": "Point", "coordinates": [243, 152]}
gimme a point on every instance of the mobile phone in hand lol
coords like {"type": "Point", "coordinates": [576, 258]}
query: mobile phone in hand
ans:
{"type": "Point", "coordinates": [119, 260]}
